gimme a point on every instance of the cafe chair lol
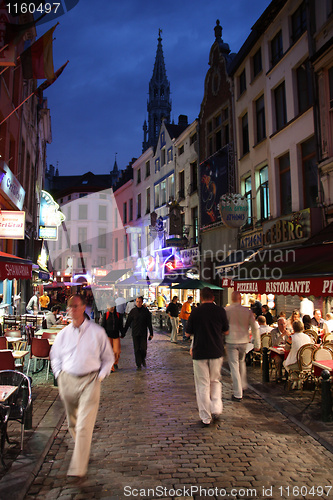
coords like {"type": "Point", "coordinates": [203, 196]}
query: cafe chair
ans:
{"type": "Point", "coordinates": [20, 403]}
{"type": "Point", "coordinates": [312, 334]}
{"type": "Point", "coordinates": [49, 335]}
{"type": "Point", "coordinates": [40, 349]}
{"type": "Point", "coordinates": [328, 337]}
{"type": "Point", "coordinates": [304, 371]}
{"type": "Point", "coordinates": [3, 343]}
{"type": "Point", "coordinates": [7, 361]}
{"type": "Point", "coordinates": [322, 353]}
{"type": "Point", "coordinates": [44, 324]}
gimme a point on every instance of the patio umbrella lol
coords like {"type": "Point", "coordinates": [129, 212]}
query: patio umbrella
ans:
{"type": "Point", "coordinates": [194, 284]}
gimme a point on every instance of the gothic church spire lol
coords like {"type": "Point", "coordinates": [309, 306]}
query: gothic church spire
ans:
{"type": "Point", "coordinates": [159, 102]}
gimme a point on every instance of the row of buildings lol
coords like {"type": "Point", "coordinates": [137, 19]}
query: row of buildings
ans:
{"type": "Point", "coordinates": [262, 140]}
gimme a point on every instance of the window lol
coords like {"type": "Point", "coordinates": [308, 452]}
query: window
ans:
{"type": "Point", "coordinates": [163, 192]}
{"type": "Point", "coordinates": [310, 173]}
{"type": "Point", "coordinates": [170, 155]}
{"type": "Point", "coordinates": [264, 193]}
{"type": "Point", "coordinates": [139, 206]}
{"type": "Point", "coordinates": [148, 201]}
{"type": "Point", "coordinates": [218, 140]}
{"type": "Point", "coordinates": [225, 126]}
{"type": "Point", "coordinates": [276, 48]}
{"type": "Point", "coordinates": [181, 150]}
{"type": "Point", "coordinates": [162, 139]}
{"type": "Point", "coordinates": [83, 195]}
{"type": "Point", "coordinates": [59, 263]}
{"type": "Point", "coordinates": [101, 237]}
{"type": "Point", "coordinates": [116, 249]}
{"type": "Point", "coordinates": [79, 264]}
{"type": "Point", "coordinates": [163, 157]}
{"type": "Point", "coordinates": [209, 127]}
{"type": "Point", "coordinates": [102, 212]}
{"type": "Point", "coordinates": [69, 197]}
{"type": "Point", "coordinates": [147, 168]}
{"type": "Point", "coordinates": [330, 82]}
{"type": "Point", "coordinates": [102, 196]}
{"type": "Point", "coordinates": [194, 176]}
{"type": "Point", "coordinates": [125, 247]}
{"type": "Point", "coordinates": [303, 87]}
{"type": "Point", "coordinates": [157, 196]}
{"type": "Point", "coordinates": [245, 134]}
{"type": "Point", "coordinates": [130, 209]}
{"type": "Point", "coordinates": [242, 82]}
{"type": "Point", "coordinates": [248, 196]}
{"type": "Point", "coordinates": [83, 212]}
{"type": "Point", "coordinates": [285, 184]}
{"type": "Point", "coordinates": [125, 212]}
{"type": "Point", "coordinates": [60, 238]}
{"type": "Point", "coordinates": [195, 225]}
{"type": "Point", "coordinates": [171, 187]}
{"type": "Point", "coordinates": [138, 176]}
{"type": "Point", "coordinates": [181, 177]}
{"type": "Point", "coordinates": [280, 106]}
{"type": "Point", "coordinates": [68, 238]}
{"type": "Point", "coordinates": [101, 261]}
{"type": "Point", "coordinates": [116, 218]}
{"type": "Point", "coordinates": [193, 138]}
{"type": "Point", "coordinates": [82, 234]}
{"type": "Point", "coordinates": [217, 120]}
{"type": "Point", "coordinates": [157, 165]}
{"type": "Point", "coordinates": [260, 116]}
{"type": "Point", "coordinates": [61, 200]}
{"type": "Point", "coordinates": [69, 212]}
{"type": "Point", "coordinates": [298, 22]}
{"type": "Point", "coordinates": [257, 63]}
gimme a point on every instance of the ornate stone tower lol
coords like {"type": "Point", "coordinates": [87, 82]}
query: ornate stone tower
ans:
{"type": "Point", "coordinates": [159, 102]}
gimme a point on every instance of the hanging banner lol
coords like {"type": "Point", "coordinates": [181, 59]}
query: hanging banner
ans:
{"type": "Point", "coordinates": [50, 218]}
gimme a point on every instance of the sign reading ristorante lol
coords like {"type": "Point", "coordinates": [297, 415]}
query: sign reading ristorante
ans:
{"type": "Point", "coordinates": [319, 287]}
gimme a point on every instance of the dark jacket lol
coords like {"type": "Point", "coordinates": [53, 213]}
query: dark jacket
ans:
{"type": "Point", "coordinates": [140, 320]}
{"type": "Point", "coordinates": [207, 323]}
{"type": "Point", "coordinates": [112, 324]}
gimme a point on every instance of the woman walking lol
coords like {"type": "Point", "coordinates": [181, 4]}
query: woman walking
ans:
{"type": "Point", "coordinates": [112, 322]}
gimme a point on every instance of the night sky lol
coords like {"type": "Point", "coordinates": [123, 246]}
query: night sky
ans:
{"type": "Point", "coordinates": [98, 105]}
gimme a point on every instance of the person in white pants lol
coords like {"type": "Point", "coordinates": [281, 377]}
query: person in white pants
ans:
{"type": "Point", "coordinates": [208, 324]}
{"type": "Point", "coordinates": [240, 320]}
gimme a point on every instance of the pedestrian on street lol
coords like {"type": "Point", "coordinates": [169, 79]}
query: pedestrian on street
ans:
{"type": "Point", "coordinates": [240, 320]}
{"type": "Point", "coordinates": [208, 324]}
{"type": "Point", "coordinates": [81, 357]}
{"type": "Point", "coordinates": [184, 315]}
{"type": "Point", "coordinates": [172, 310]}
{"type": "Point", "coordinates": [140, 320]}
{"type": "Point", "coordinates": [32, 305]}
{"type": "Point", "coordinates": [112, 322]}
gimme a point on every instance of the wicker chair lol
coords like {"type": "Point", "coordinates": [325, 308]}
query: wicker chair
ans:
{"type": "Point", "coordinates": [304, 371]}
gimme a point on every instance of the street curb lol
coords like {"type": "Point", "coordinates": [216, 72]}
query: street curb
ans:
{"type": "Point", "coordinates": [295, 421]}
{"type": "Point", "coordinates": [16, 483]}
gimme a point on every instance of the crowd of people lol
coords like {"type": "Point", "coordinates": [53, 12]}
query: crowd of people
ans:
{"type": "Point", "coordinates": [85, 352]}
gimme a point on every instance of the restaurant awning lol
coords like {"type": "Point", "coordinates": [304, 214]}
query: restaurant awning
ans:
{"type": "Point", "coordinates": [12, 267]}
{"type": "Point", "coordinates": [293, 271]}
{"type": "Point", "coordinates": [113, 276]}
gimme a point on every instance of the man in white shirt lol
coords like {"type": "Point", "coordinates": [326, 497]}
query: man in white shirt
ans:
{"type": "Point", "coordinates": [240, 320]}
{"type": "Point", "coordinates": [263, 327]}
{"type": "Point", "coordinates": [298, 339]}
{"type": "Point", "coordinates": [81, 357]}
{"type": "Point", "coordinates": [306, 307]}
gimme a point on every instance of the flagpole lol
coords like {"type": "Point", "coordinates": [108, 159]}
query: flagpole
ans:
{"type": "Point", "coordinates": [10, 114]}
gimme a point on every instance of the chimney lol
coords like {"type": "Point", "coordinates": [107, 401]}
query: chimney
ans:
{"type": "Point", "coordinates": [182, 120]}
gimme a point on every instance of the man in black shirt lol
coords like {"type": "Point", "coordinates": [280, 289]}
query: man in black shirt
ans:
{"type": "Point", "coordinates": [140, 320]}
{"type": "Point", "coordinates": [173, 311]}
{"type": "Point", "coordinates": [208, 324]}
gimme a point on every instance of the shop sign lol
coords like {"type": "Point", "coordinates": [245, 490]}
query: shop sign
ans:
{"type": "Point", "coordinates": [101, 272]}
{"type": "Point", "coordinates": [11, 187]}
{"type": "Point", "coordinates": [49, 217]}
{"type": "Point", "coordinates": [318, 287]}
{"type": "Point", "coordinates": [11, 270]}
{"type": "Point", "coordinates": [190, 256]}
{"type": "Point", "coordinates": [12, 225]}
{"type": "Point", "coordinates": [227, 283]}
{"type": "Point", "coordinates": [233, 209]}
{"type": "Point", "coordinates": [292, 228]}
{"type": "Point", "coordinates": [252, 240]}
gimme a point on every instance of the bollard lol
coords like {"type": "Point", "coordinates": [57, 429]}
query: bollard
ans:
{"type": "Point", "coordinates": [265, 365]}
{"type": "Point", "coordinates": [28, 418]}
{"type": "Point", "coordinates": [326, 397]}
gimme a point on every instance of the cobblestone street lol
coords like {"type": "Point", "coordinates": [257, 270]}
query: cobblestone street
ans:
{"type": "Point", "coordinates": [148, 442]}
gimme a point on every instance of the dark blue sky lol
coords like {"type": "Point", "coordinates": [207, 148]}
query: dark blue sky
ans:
{"type": "Point", "coordinates": [99, 103]}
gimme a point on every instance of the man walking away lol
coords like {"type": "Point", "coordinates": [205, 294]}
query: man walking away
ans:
{"type": "Point", "coordinates": [172, 311]}
{"type": "Point", "coordinates": [208, 324]}
{"type": "Point", "coordinates": [240, 320]}
{"type": "Point", "coordinates": [140, 320]}
{"type": "Point", "coordinates": [81, 357]}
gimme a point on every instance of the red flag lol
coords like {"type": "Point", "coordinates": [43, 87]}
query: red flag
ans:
{"type": "Point", "coordinates": [43, 86]}
{"type": "Point", "coordinates": [37, 60]}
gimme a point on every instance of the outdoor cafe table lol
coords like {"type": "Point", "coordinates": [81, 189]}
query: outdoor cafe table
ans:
{"type": "Point", "coordinates": [5, 392]}
{"type": "Point", "coordinates": [324, 364]}
{"type": "Point", "coordinates": [279, 350]}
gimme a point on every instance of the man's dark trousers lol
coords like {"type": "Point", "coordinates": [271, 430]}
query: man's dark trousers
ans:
{"type": "Point", "coordinates": [140, 348]}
